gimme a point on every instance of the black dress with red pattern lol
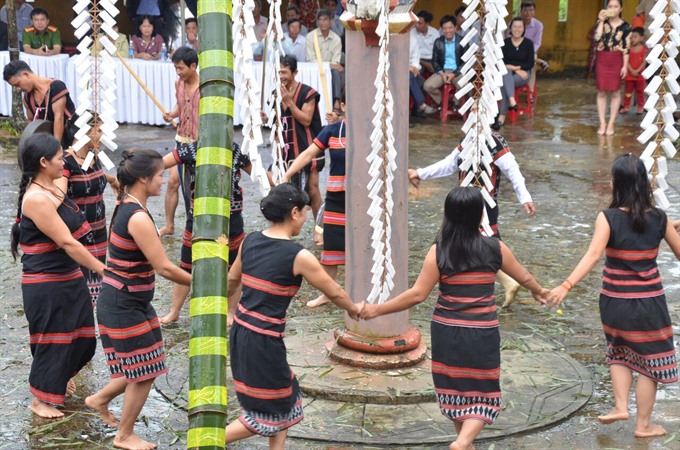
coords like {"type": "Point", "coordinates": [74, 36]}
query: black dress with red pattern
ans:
{"type": "Point", "coordinates": [633, 306]}
{"type": "Point", "coordinates": [266, 387]}
{"type": "Point", "coordinates": [57, 305]}
{"type": "Point", "coordinates": [86, 188]}
{"type": "Point", "coordinates": [466, 355]}
{"type": "Point", "coordinates": [128, 324]}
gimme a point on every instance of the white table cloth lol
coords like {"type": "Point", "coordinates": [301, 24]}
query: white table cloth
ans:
{"type": "Point", "coordinates": [132, 104]}
{"type": "Point", "coordinates": [46, 66]}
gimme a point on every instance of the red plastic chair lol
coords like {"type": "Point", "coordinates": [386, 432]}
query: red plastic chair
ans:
{"type": "Point", "coordinates": [526, 108]}
{"type": "Point", "coordinates": [448, 91]}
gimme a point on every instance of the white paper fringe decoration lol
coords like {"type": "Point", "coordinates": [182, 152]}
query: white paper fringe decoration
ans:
{"type": "Point", "coordinates": [658, 124]}
{"type": "Point", "coordinates": [382, 166]}
{"type": "Point", "coordinates": [482, 78]}
{"type": "Point", "coordinates": [244, 37]}
{"type": "Point", "coordinates": [97, 84]}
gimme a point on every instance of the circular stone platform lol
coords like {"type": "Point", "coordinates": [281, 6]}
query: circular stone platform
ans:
{"type": "Point", "coordinates": [540, 387]}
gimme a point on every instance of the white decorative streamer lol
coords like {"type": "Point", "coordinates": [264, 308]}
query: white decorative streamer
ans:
{"type": "Point", "coordinates": [97, 84]}
{"type": "Point", "coordinates": [274, 39]}
{"type": "Point", "coordinates": [482, 77]}
{"type": "Point", "coordinates": [244, 37]}
{"type": "Point", "coordinates": [382, 166]}
{"type": "Point", "coordinates": [659, 124]}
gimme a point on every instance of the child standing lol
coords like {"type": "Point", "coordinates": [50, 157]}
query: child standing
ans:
{"type": "Point", "coordinates": [128, 325]}
{"type": "Point", "coordinates": [633, 306]}
{"type": "Point", "coordinates": [465, 336]}
{"type": "Point", "coordinates": [634, 79]}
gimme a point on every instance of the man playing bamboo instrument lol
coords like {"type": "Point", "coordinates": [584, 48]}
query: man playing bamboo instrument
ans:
{"type": "Point", "coordinates": [504, 162]}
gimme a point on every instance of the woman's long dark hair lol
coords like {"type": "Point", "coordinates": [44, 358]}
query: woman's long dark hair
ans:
{"type": "Point", "coordinates": [281, 200]}
{"type": "Point", "coordinates": [134, 165]}
{"type": "Point", "coordinates": [631, 190]}
{"type": "Point", "coordinates": [36, 147]}
{"type": "Point", "coordinates": [459, 241]}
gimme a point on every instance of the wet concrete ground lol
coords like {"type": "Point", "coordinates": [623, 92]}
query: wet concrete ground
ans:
{"type": "Point", "coordinates": [566, 166]}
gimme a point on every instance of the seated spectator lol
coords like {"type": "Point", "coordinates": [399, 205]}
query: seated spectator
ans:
{"type": "Point", "coordinates": [533, 30]}
{"type": "Point", "coordinates": [447, 60]}
{"type": "Point", "coordinates": [293, 12]}
{"type": "Point", "coordinates": [295, 43]}
{"type": "Point", "coordinates": [421, 108]}
{"type": "Point", "coordinates": [518, 55]}
{"type": "Point", "coordinates": [41, 38]}
{"type": "Point", "coordinates": [23, 16]}
{"type": "Point", "coordinates": [4, 42]}
{"type": "Point", "coordinates": [308, 10]}
{"type": "Point", "coordinates": [425, 36]}
{"type": "Point", "coordinates": [146, 44]}
{"type": "Point", "coordinates": [260, 21]}
{"type": "Point", "coordinates": [330, 48]}
{"type": "Point", "coordinates": [191, 30]}
{"type": "Point", "coordinates": [336, 26]}
{"type": "Point", "coordinates": [121, 43]}
{"type": "Point", "coordinates": [44, 99]}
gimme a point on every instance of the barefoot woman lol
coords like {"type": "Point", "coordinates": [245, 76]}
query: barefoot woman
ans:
{"type": "Point", "coordinates": [50, 229]}
{"type": "Point", "coordinates": [129, 328]}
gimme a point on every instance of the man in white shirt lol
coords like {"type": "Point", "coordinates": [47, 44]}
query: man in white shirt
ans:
{"type": "Point", "coordinates": [330, 46]}
{"type": "Point", "coordinates": [425, 35]}
{"type": "Point", "coordinates": [261, 22]}
{"type": "Point", "coordinates": [295, 43]}
{"type": "Point", "coordinates": [293, 12]}
{"type": "Point", "coordinates": [504, 162]}
{"type": "Point", "coordinates": [23, 13]}
{"type": "Point", "coordinates": [421, 108]}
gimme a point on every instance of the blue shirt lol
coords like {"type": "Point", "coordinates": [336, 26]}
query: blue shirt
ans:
{"type": "Point", "coordinates": [450, 58]}
{"type": "Point", "coordinates": [148, 8]}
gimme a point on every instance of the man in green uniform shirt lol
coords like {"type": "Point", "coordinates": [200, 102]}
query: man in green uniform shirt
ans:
{"type": "Point", "coordinates": [41, 38]}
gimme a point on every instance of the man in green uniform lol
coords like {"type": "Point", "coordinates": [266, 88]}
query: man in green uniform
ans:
{"type": "Point", "coordinates": [41, 38]}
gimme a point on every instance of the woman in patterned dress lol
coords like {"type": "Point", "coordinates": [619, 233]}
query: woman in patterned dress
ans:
{"type": "Point", "coordinates": [128, 324]}
{"type": "Point", "coordinates": [464, 327]}
{"type": "Point", "coordinates": [86, 188]}
{"type": "Point", "coordinates": [633, 306]}
{"type": "Point", "coordinates": [332, 137]}
{"type": "Point", "coordinates": [611, 36]}
{"type": "Point", "coordinates": [51, 230]}
{"type": "Point", "coordinates": [271, 268]}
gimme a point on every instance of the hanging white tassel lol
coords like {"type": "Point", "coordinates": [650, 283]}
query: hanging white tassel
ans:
{"type": "Point", "coordinates": [96, 84]}
{"type": "Point", "coordinates": [244, 38]}
{"type": "Point", "coordinates": [482, 105]}
{"type": "Point", "coordinates": [382, 164]}
{"type": "Point", "coordinates": [658, 124]}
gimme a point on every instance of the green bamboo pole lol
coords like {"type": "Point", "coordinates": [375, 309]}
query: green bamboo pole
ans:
{"type": "Point", "coordinates": [208, 306]}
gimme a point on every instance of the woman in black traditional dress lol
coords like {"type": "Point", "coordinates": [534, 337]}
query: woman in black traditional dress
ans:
{"type": "Point", "coordinates": [86, 188]}
{"type": "Point", "coordinates": [633, 306]}
{"type": "Point", "coordinates": [128, 325]}
{"type": "Point", "coordinates": [51, 230]}
{"type": "Point", "coordinates": [464, 327]}
{"type": "Point", "coordinates": [271, 267]}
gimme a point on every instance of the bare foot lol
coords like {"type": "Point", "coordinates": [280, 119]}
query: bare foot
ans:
{"type": "Point", "coordinates": [167, 230]}
{"type": "Point", "coordinates": [613, 416]}
{"type": "Point", "coordinates": [457, 446]}
{"type": "Point", "coordinates": [44, 410]}
{"type": "Point", "coordinates": [650, 430]}
{"type": "Point", "coordinates": [103, 409]}
{"type": "Point", "coordinates": [511, 294]}
{"type": "Point", "coordinates": [602, 130]}
{"type": "Point", "coordinates": [610, 130]}
{"type": "Point", "coordinates": [132, 442]}
{"type": "Point", "coordinates": [320, 300]}
{"type": "Point", "coordinates": [71, 387]}
{"type": "Point", "coordinates": [169, 318]}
